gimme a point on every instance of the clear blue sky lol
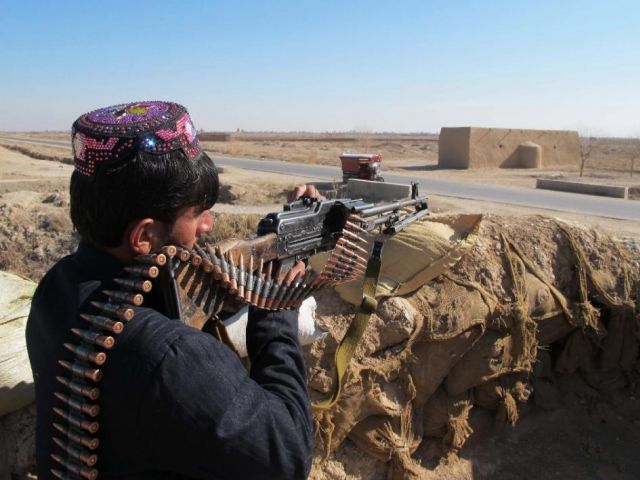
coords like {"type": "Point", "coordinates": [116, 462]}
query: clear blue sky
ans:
{"type": "Point", "coordinates": [402, 66]}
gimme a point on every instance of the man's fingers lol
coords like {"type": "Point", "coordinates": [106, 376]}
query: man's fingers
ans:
{"type": "Point", "coordinates": [296, 271]}
{"type": "Point", "coordinates": [296, 193]}
{"type": "Point", "coordinates": [304, 191]}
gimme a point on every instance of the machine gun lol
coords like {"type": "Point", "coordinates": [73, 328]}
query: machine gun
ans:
{"type": "Point", "coordinates": [308, 226]}
{"type": "Point", "coordinates": [254, 270]}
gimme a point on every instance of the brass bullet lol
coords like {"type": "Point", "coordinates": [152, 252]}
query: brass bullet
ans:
{"type": "Point", "coordinates": [224, 267]}
{"type": "Point", "coordinates": [349, 234]}
{"type": "Point", "coordinates": [87, 354]}
{"type": "Point", "coordinates": [169, 251]}
{"type": "Point", "coordinates": [87, 408]}
{"type": "Point", "coordinates": [355, 227]}
{"type": "Point", "coordinates": [250, 281]}
{"type": "Point", "coordinates": [275, 288]}
{"type": "Point", "coordinates": [273, 295]}
{"type": "Point", "coordinates": [80, 388]}
{"type": "Point", "coordinates": [134, 299]}
{"type": "Point", "coordinates": [93, 374]}
{"type": "Point", "coordinates": [233, 274]}
{"type": "Point", "coordinates": [217, 270]}
{"type": "Point", "coordinates": [345, 261]}
{"type": "Point", "coordinates": [103, 322]}
{"type": "Point", "coordinates": [348, 253]}
{"type": "Point", "coordinates": [122, 312]}
{"type": "Point", "coordinates": [242, 277]}
{"type": "Point", "coordinates": [61, 475]}
{"type": "Point", "coordinates": [78, 421]}
{"type": "Point", "coordinates": [292, 289]}
{"type": "Point", "coordinates": [357, 218]}
{"type": "Point", "coordinates": [89, 442]}
{"type": "Point", "coordinates": [212, 297]}
{"type": "Point", "coordinates": [334, 270]}
{"type": "Point", "coordinates": [152, 259]}
{"type": "Point", "coordinates": [266, 288]}
{"type": "Point", "coordinates": [73, 467]}
{"type": "Point", "coordinates": [183, 254]}
{"type": "Point", "coordinates": [136, 285]}
{"type": "Point", "coordinates": [95, 337]}
{"type": "Point", "coordinates": [196, 259]}
{"type": "Point", "coordinates": [206, 264]}
{"type": "Point", "coordinates": [299, 290]}
{"type": "Point", "coordinates": [143, 270]}
{"type": "Point", "coordinates": [352, 246]}
{"type": "Point", "coordinates": [89, 459]}
{"type": "Point", "coordinates": [351, 258]}
{"type": "Point", "coordinates": [282, 293]}
{"type": "Point", "coordinates": [258, 284]}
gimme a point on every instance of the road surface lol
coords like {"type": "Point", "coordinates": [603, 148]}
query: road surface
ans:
{"type": "Point", "coordinates": [547, 199]}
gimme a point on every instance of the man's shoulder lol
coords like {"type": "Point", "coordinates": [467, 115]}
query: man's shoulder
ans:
{"type": "Point", "coordinates": [65, 267]}
{"type": "Point", "coordinates": [150, 336]}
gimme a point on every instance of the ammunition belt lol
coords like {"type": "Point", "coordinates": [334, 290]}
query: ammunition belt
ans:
{"type": "Point", "coordinates": [200, 281]}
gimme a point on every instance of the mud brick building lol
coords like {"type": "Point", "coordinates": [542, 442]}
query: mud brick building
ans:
{"type": "Point", "coordinates": [472, 147]}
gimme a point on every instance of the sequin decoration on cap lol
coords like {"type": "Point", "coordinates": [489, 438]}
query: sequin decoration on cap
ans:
{"type": "Point", "coordinates": [114, 134]}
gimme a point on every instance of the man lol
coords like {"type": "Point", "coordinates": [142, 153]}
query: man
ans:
{"type": "Point", "coordinates": [174, 401]}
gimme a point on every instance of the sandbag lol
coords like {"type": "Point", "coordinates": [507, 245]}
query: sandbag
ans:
{"type": "Point", "coordinates": [488, 359]}
{"type": "Point", "coordinates": [16, 380]}
{"type": "Point", "coordinates": [502, 395]}
{"type": "Point", "coordinates": [435, 415]}
{"type": "Point", "coordinates": [416, 255]}
{"type": "Point", "coordinates": [391, 440]}
{"type": "Point", "coordinates": [523, 284]}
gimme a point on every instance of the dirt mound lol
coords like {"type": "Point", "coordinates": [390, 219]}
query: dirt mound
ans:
{"type": "Point", "coordinates": [533, 299]}
{"type": "Point", "coordinates": [35, 232]}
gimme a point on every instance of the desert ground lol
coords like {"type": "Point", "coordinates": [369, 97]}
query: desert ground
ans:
{"type": "Point", "coordinates": [586, 434]}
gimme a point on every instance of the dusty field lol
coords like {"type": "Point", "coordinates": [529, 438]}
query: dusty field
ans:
{"type": "Point", "coordinates": [609, 159]}
{"type": "Point", "coordinates": [585, 435]}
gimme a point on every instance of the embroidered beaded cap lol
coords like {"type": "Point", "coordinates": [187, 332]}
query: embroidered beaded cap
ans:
{"type": "Point", "coordinates": [116, 133]}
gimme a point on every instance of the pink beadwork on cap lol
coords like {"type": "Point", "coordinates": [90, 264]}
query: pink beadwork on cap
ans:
{"type": "Point", "coordinates": [115, 134]}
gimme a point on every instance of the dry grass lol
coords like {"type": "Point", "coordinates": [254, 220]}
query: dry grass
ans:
{"type": "Point", "coordinates": [325, 151]}
{"type": "Point", "coordinates": [232, 226]}
{"type": "Point", "coordinates": [610, 159]}
{"type": "Point", "coordinates": [40, 152]}
{"type": "Point", "coordinates": [612, 155]}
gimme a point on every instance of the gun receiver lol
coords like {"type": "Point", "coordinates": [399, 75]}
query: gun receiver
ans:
{"type": "Point", "coordinates": [308, 226]}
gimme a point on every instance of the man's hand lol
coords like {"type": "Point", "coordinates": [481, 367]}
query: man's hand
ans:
{"type": "Point", "coordinates": [304, 191]}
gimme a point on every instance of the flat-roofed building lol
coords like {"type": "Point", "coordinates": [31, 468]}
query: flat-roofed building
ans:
{"type": "Point", "coordinates": [474, 147]}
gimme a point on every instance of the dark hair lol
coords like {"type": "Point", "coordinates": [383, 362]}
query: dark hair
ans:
{"type": "Point", "coordinates": [149, 185]}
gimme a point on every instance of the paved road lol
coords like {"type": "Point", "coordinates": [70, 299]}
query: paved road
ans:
{"type": "Point", "coordinates": [547, 199]}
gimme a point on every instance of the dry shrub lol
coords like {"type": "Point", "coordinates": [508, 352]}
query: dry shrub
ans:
{"type": "Point", "coordinates": [312, 158]}
{"type": "Point", "coordinates": [228, 226]}
{"type": "Point", "coordinates": [34, 235]}
{"type": "Point", "coordinates": [230, 148]}
{"type": "Point", "coordinates": [57, 222]}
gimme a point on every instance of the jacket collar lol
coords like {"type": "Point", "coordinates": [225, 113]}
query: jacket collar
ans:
{"type": "Point", "coordinates": [97, 263]}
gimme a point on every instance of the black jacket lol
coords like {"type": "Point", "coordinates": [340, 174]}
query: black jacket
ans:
{"type": "Point", "coordinates": [175, 402]}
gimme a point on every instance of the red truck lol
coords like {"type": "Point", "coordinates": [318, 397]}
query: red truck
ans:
{"type": "Point", "coordinates": [363, 166]}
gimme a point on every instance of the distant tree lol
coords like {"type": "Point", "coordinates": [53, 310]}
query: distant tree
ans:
{"type": "Point", "coordinates": [586, 145]}
{"type": "Point", "coordinates": [635, 153]}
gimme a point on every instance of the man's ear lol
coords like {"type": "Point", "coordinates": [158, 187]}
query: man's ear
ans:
{"type": "Point", "coordinates": [145, 235]}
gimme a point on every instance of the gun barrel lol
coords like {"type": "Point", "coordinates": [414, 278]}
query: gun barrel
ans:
{"type": "Point", "coordinates": [418, 202]}
{"type": "Point", "coordinates": [403, 223]}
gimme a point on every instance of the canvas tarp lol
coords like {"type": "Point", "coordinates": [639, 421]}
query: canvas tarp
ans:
{"type": "Point", "coordinates": [16, 380]}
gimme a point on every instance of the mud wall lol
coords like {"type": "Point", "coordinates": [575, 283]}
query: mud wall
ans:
{"type": "Point", "coordinates": [471, 147]}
